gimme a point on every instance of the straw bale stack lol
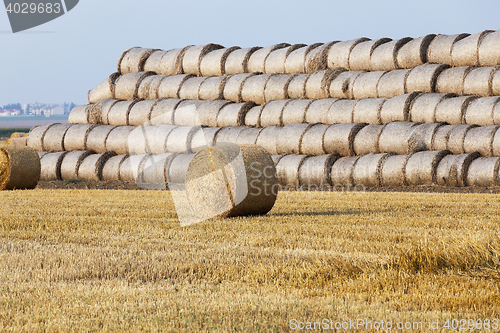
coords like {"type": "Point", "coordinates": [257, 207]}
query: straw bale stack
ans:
{"type": "Point", "coordinates": [84, 114]}
{"type": "Point", "coordinates": [441, 137]}
{"type": "Point", "coordinates": [19, 168]}
{"type": "Point", "coordinates": [295, 62]}
{"type": "Point", "coordinates": [233, 114]}
{"type": "Point", "coordinates": [359, 57]}
{"type": "Point", "coordinates": [153, 62]}
{"type": "Point", "coordinates": [111, 169]}
{"type": "Point", "coordinates": [252, 117]}
{"type": "Point", "coordinates": [76, 137]}
{"type": "Point", "coordinates": [229, 134]}
{"type": "Point", "coordinates": [50, 166]}
{"type": "Point", "coordinates": [213, 87]}
{"type": "Point", "coordinates": [268, 139]}
{"type": "Point", "coordinates": [271, 114]}
{"type": "Point", "coordinates": [101, 110]}
{"type": "Point", "coordinates": [341, 112]}
{"type": "Point", "coordinates": [96, 139]}
{"type": "Point", "coordinates": [341, 86]}
{"type": "Point", "coordinates": [480, 139]}
{"type": "Point", "coordinates": [252, 89]}
{"type": "Point", "coordinates": [71, 162]}
{"type": "Point", "coordinates": [131, 168]}
{"type": "Point", "coordinates": [91, 168]}
{"type": "Point", "coordinates": [185, 114]}
{"type": "Point", "coordinates": [465, 52]}
{"type": "Point", "coordinates": [257, 60]}
{"type": "Point", "coordinates": [342, 171]}
{"type": "Point", "coordinates": [214, 63]}
{"type": "Point", "coordinates": [295, 111]}
{"type": "Point", "coordinates": [393, 172]}
{"type": "Point", "coordinates": [365, 85]}
{"type": "Point", "coordinates": [439, 50]}
{"type": "Point", "coordinates": [248, 136]}
{"type": "Point", "coordinates": [368, 110]}
{"type": "Point", "coordinates": [421, 137]}
{"type": "Point", "coordinates": [290, 138]}
{"type": "Point", "coordinates": [297, 86]}
{"type": "Point", "coordinates": [118, 114]}
{"type": "Point", "coordinates": [157, 139]}
{"type": "Point", "coordinates": [103, 90]}
{"type": "Point", "coordinates": [317, 59]}
{"type": "Point", "coordinates": [414, 53]}
{"type": "Point", "coordinates": [495, 83]}
{"type": "Point", "coordinates": [140, 112]}
{"type": "Point", "coordinates": [237, 61]}
{"type": "Point", "coordinates": [483, 172]}
{"type": "Point", "coordinates": [456, 138]}
{"type": "Point", "coordinates": [193, 56]}
{"type": "Point", "coordinates": [318, 110]}
{"type": "Point", "coordinates": [479, 81]}
{"type": "Point", "coordinates": [139, 139]}
{"type": "Point", "coordinates": [153, 175]}
{"type": "Point", "coordinates": [452, 169]}
{"type": "Point", "coordinates": [148, 88]}
{"type": "Point", "coordinates": [117, 139]}
{"type": "Point", "coordinates": [339, 138]}
{"type": "Point", "coordinates": [277, 87]}
{"type": "Point", "coordinates": [318, 83]}
{"type": "Point", "coordinates": [233, 87]}
{"type": "Point", "coordinates": [179, 139]}
{"type": "Point", "coordinates": [127, 85]}
{"type": "Point", "coordinates": [423, 109]}
{"type": "Point", "coordinates": [315, 172]}
{"type": "Point", "coordinates": [480, 111]}
{"type": "Point", "coordinates": [424, 77]}
{"type": "Point", "coordinates": [313, 140]}
{"type": "Point", "coordinates": [367, 139]}
{"type": "Point", "coordinates": [287, 170]}
{"type": "Point", "coordinates": [171, 85]}
{"type": "Point", "coordinates": [53, 140]}
{"type": "Point", "coordinates": [191, 87]}
{"type": "Point", "coordinates": [368, 170]}
{"type": "Point", "coordinates": [171, 62]}
{"type": "Point", "coordinates": [208, 111]}
{"type": "Point", "coordinates": [177, 170]}
{"type": "Point", "coordinates": [163, 111]}
{"type": "Point", "coordinates": [393, 83]}
{"type": "Point", "coordinates": [203, 138]}
{"type": "Point", "coordinates": [275, 62]}
{"type": "Point", "coordinates": [36, 135]}
{"type": "Point", "coordinates": [488, 53]}
{"type": "Point", "coordinates": [395, 137]}
{"type": "Point", "coordinates": [451, 80]}
{"type": "Point", "coordinates": [452, 110]}
{"type": "Point", "coordinates": [384, 56]}
{"type": "Point", "coordinates": [133, 60]}
{"type": "Point", "coordinates": [338, 55]}
{"type": "Point", "coordinates": [397, 108]}
{"type": "Point", "coordinates": [421, 167]}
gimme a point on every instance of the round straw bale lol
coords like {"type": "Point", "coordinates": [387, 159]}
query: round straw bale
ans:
{"type": "Point", "coordinates": [365, 85]}
{"type": "Point", "coordinates": [317, 59]}
{"type": "Point", "coordinates": [191, 87]}
{"type": "Point", "coordinates": [480, 111]}
{"type": "Point", "coordinates": [368, 170]}
{"type": "Point", "coordinates": [496, 144]}
{"type": "Point", "coordinates": [315, 172]}
{"type": "Point", "coordinates": [393, 171]}
{"type": "Point", "coordinates": [290, 138]}
{"type": "Point", "coordinates": [179, 139]}
{"type": "Point", "coordinates": [53, 140]}
{"type": "Point", "coordinates": [148, 88]}
{"type": "Point", "coordinates": [158, 139]}
{"type": "Point", "coordinates": [341, 86]}
{"type": "Point", "coordinates": [36, 135]}
{"type": "Point", "coordinates": [118, 115]}
{"type": "Point", "coordinates": [440, 139]}
{"type": "Point", "coordinates": [229, 134]}
{"type": "Point", "coordinates": [17, 142]}
{"type": "Point", "coordinates": [268, 139]}
{"type": "Point", "coordinates": [421, 137]}
{"type": "Point", "coordinates": [205, 137]}
{"type": "Point", "coordinates": [233, 114]}
{"type": "Point", "coordinates": [414, 53]}
{"type": "Point", "coordinates": [104, 90]}
{"type": "Point", "coordinates": [495, 83]}
{"type": "Point", "coordinates": [341, 112]}
{"type": "Point", "coordinates": [297, 86]}
{"type": "Point", "coordinates": [397, 108]}
{"type": "Point", "coordinates": [130, 168]}
{"type": "Point", "coordinates": [496, 114]}
{"type": "Point", "coordinates": [421, 167]}
{"type": "Point", "coordinates": [19, 168]}
{"type": "Point", "coordinates": [338, 55]}
{"type": "Point", "coordinates": [139, 139]}
{"type": "Point", "coordinates": [439, 50]}
{"type": "Point", "coordinates": [465, 52]}
{"type": "Point", "coordinates": [248, 136]}
{"type": "Point", "coordinates": [177, 170]}
{"type": "Point", "coordinates": [163, 111]}
{"type": "Point", "coordinates": [452, 110]}
{"type": "Point", "coordinates": [318, 83]}
{"type": "Point", "coordinates": [171, 62]}
{"type": "Point", "coordinates": [339, 138]}
{"type": "Point", "coordinates": [287, 170]}
{"type": "Point", "coordinates": [213, 87]}
{"type": "Point", "coordinates": [277, 87]}
{"type": "Point", "coordinates": [237, 61]}
{"type": "Point", "coordinates": [272, 113]}
{"type": "Point", "coordinates": [483, 172]}
{"type": "Point", "coordinates": [127, 85]}
{"type": "Point", "coordinates": [76, 137]}
{"type": "Point", "coordinates": [342, 170]}
{"type": "Point", "coordinates": [102, 109]}
{"type": "Point", "coordinates": [295, 111]}
{"type": "Point", "coordinates": [395, 137]}
{"type": "Point", "coordinates": [96, 139]}
{"type": "Point", "coordinates": [488, 52]}
{"type": "Point", "coordinates": [252, 118]}
{"type": "Point", "coordinates": [393, 83]}
{"type": "Point", "coordinates": [133, 60]}
{"type": "Point", "coordinates": [185, 113]}
{"type": "Point", "coordinates": [451, 80]}
{"type": "Point", "coordinates": [456, 139]}
{"type": "Point", "coordinates": [71, 162]}
{"type": "Point", "coordinates": [295, 62]}
{"type": "Point", "coordinates": [153, 62]}
{"type": "Point", "coordinates": [423, 109]}
{"type": "Point", "coordinates": [479, 81]}
{"type": "Point", "coordinates": [275, 62]}
{"type": "Point", "coordinates": [140, 113]}
{"type": "Point", "coordinates": [452, 169]}
{"type": "Point", "coordinates": [50, 166]}
{"type": "Point", "coordinates": [111, 169]}
{"type": "Point", "coordinates": [92, 166]}
{"type": "Point", "coordinates": [480, 139]}
{"type": "Point", "coordinates": [208, 111]}
{"type": "Point", "coordinates": [83, 114]}
{"type": "Point", "coordinates": [384, 56]}
{"type": "Point", "coordinates": [257, 60]}
{"type": "Point", "coordinates": [359, 58]}
{"type": "Point", "coordinates": [313, 140]}
{"type": "Point", "coordinates": [214, 63]}
{"type": "Point", "coordinates": [277, 158]}
{"type": "Point", "coordinates": [318, 110]}
{"type": "Point", "coordinates": [193, 56]}
{"type": "Point", "coordinates": [368, 110]}
{"type": "Point", "coordinates": [252, 89]}
{"type": "Point", "coordinates": [117, 139]}
{"type": "Point", "coordinates": [233, 87]}
{"type": "Point", "coordinates": [424, 77]}
{"type": "Point", "coordinates": [171, 85]}
{"type": "Point", "coordinates": [153, 175]}
{"type": "Point", "coordinates": [366, 141]}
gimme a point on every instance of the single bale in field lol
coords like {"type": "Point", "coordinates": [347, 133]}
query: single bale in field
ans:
{"type": "Point", "coordinates": [213, 88]}
{"type": "Point", "coordinates": [252, 118]}
{"type": "Point", "coordinates": [277, 87]}
{"type": "Point", "coordinates": [395, 137]}
{"type": "Point", "coordinates": [423, 78]}
{"type": "Point", "coordinates": [179, 139]}
{"type": "Point", "coordinates": [71, 162]}
{"type": "Point", "coordinates": [440, 139]}
{"type": "Point", "coordinates": [456, 138]}
{"type": "Point", "coordinates": [423, 108]}
{"type": "Point", "coordinates": [480, 111]}
{"type": "Point", "coordinates": [341, 112]}
{"type": "Point", "coordinates": [233, 87]}
{"type": "Point", "coordinates": [111, 169]}
{"type": "Point", "coordinates": [290, 138]}
{"type": "Point", "coordinates": [131, 168]}
{"type": "Point", "coordinates": [297, 86]}
{"type": "Point", "coordinates": [208, 111]}
{"type": "Point", "coordinates": [368, 170]}
{"type": "Point", "coordinates": [489, 47]}
{"type": "Point", "coordinates": [452, 169]}
{"type": "Point", "coordinates": [384, 56]}
{"type": "Point", "coordinates": [153, 62]}
{"type": "Point", "coordinates": [76, 137]}
{"type": "Point", "coordinates": [318, 83]}
{"type": "Point", "coordinates": [83, 114]}
{"type": "Point", "coordinates": [233, 114]}
{"type": "Point", "coordinates": [92, 166]}
{"type": "Point", "coordinates": [148, 88]}
{"type": "Point", "coordinates": [36, 135]}
{"type": "Point", "coordinates": [185, 114]}
{"type": "Point", "coordinates": [118, 115]}
{"type": "Point", "coordinates": [439, 50]}
{"type": "Point", "coordinates": [268, 139]}
{"type": "Point", "coordinates": [315, 172]}
{"type": "Point", "coordinates": [393, 83]}
{"type": "Point", "coordinates": [104, 90]}
{"type": "Point", "coordinates": [367, 110]}
{"type": "Point", "coordinates": [365, 85]}
{"type": "Point", "coordinates": [193, 56]}
{"type": "Point", "coordinates": [397, 108]}
{"type": "Point", "coordinates": [452, 110]}
{"type": "Point", "coordinates": [157, 139]}
{"type": "Point", "coordinates": [237, 61]}
{"type": "Point", "coordinates": [287, 170]}
{"type": "Point", "coordinates": [480, 139]}
{"type": "Point", "coordinates": [252, 89]}
{"type": "Point", "coordinates": [171, 62]}
{"type": "Point", "coordinates": [318, 110]}
{"type": "Point", "coordinates": [393, 171]}
{"type": "Point", "coordinates": [366, 140]}
{"type": "Point", "coordinates": [275, 62]}
{"type": "Point", "coordinates": [96, 139]}
{"type": "Point", "coordinates": [177, 170]}
{"type": "Point", "coordinates": [133, 59]}
{"type": "Point", "coordinates": [295, 111]}
{"type": "Point", "coordinates": [342, 171]}
{"type": "Point", "coordinates": [313, 140]}
{"type": "Point", "coordinates": [338, 55]}
{"type": "Point", "coordinates": [483, 172]}
{"type": "Point", "coordinates": [451, 80]}
{"type": "Point", "coordinates": [272, 112]}
{"type": "Point", "coordinates": [214, 63]}
{"type": "Point", "coordinates": [317, 59]}
{"type": "Point", "coordinates": [191, 87]}
{"type": "Point", "coordinates": [53, 140]}
{"type": "Point", "coordinates": [171, 85]}
{"type": "Point", "coordinates": [19, 168]}
{"type": "Point", "coordinates": [339, 138]}
{"type": "Point", "coordinates": [140, 113]}
{"type": "Point", "coordinates": [248, 136]}
{"type": "Point", "coordinates": [421, 137]}
{"type": "Point", "coordinates": [414, 53]}
{"type": "Point", "coordinates": [421, 167]}
{"type": "Point", "coordinates": [50, 166]}
{"type": "Point", "coordinates": [205, 137]}
{"type": "Point", "coordinates": [163, 111]}
{"type": "Point", "coordinates": [127, 85]}
{"type": "Point", "coordinates": [257, 60]}
{"type": "Point", "coordinates": [465, 52]}
{"type": "Point", "coordinates": [295, 62]}
{"type": "Point", "coordinates": [479, 81]}
{"type": "Point", "coordinates": [341, 86]}
{"type": "Point", "coordinates": [359, 57]}
{"type": "Point", "coordinates": [117, 140]}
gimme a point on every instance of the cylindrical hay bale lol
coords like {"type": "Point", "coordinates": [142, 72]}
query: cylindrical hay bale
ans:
{"type": "Point", "coordinates": [171, 62]}
{"type": "Point", "coordinates": [366, 141]}
{"type": "Point", "coordinates": [294, 112]}
{"type": "Point", "coordinates": [421, 137]}
{"type": "Point", "coordinates": [118, 115]}
{"type": "Point", "coordinates": [440, 139]}
{"type": "Point", "coordinates": [275, 62]}
{"type": "Point", "coordinates": [339, 138]}
{"type": "Point", "coordinates": [154, 61]}
{"type": "Point", "coordinates": [489, 54]}
{"type": "Point", "coordinates": [268, 139]}
{"type": "Point", "coordinates": [393, 171]}
{"type": "Point", "coordinates": [252, 89]}
{"type": "Point", "coordinates": [117, 140]}
{"type": "Point", "coordinates": [341, 112]}
{"type": "Point", "coordinates": [439, 50]}
{"type": "Point", "coordinates": [313, 140]}
{"type": "Point", "coordinates": [71, 162]}
{"type": "Point", "coordinates": [451, 80]}
{"type": "Point", "coordinates": [130, 168]}
{"type": "Point", "coordinates": [496, 144]}
{"type": "Point", "coordinates": [170, 86]}
{"type": "Point", "coordinates": [203, 138]}
{"type": "Point", "coordinates": [277, 87]}
{"type": "Point", "coordinates": [133, 60]}
{"type": "Point", "coordinates": [365, 85]}
{"type": "Point", "coordinates": [384, 56]}
{"type": "Point", "coordinates": [76, 137]}
{"type": "Point", "coordinates": [233, 114]}
{"type": "Point", "coordinates": [83, 114]}
{"type": "Point", "coordinates": [19, 168]}
{"type": "Point", "coordinates": [158, 139]}
{"type": "Point", "coordinates": [102, 109]}
{"type": "Point", "coordinates": [338, 55]}
{"type": "Point", "coordinates": [229, 134]}
{"type": "Point", "coordinates": [104, 90]}
{"type": "Point", "coordinates": [163, 111]}
{"type": "Point", "coordinates": [179, 139]}
{"type": "Point", "coordinates": [50, 166]}
{"type": "Point", "coordinates": [208, 111]}
{"type": "Point", "coordinates": [368, 170]}
{"type": "Point", "coordinates": [342, 171]}
{"type": "Point", "coordinates": [393, 83]}
{"type": "Point", "coordinates": [148, 88]}
{"type": "Point", "coordinates": [318, 83]}
{"type": "Point", "coordinates": [423, 109]}
{"type": "Point", "coordinates": [359, 58]}
{"type": "Point", "coordinates": [296, 61]}
{"type": "Point", "coordinates": [272, 112]}
{"type": "Point", "coordinates": [465, 52]}
{"type": "Point", "coordinates": [367, 110]}
{"type": "Point", "coordinates": [140, 113]}
{"type": "Point", "coordinates": [452, 169]}
{"type": "Point", "coordinates": [480, 139]}
{"type": "Point", "coordinates": [257, 60]}
{"type": "Point", "coordinates": [480, 111]}
{"type": "Point", "coordinates": [414, 53]}
{"type": "Point", "coordinates": [483, 172]}
{"type": "Point", "coordinates": [36, 135]}
{"type": "Point", "coordinates": [233, 87]}
{"type": "Point", "coordinates": [53, 140]}
{"type": "Point", "coordinates": [139, 139]}
{"type": "Point", "coordinates": [213, 87]}
{"type": "Point", "coordinates": [424, 77]}
{"type": "Point", "coordinates": [397, 108]}
{"type": "Point", "coordinates": [341, 86]}
{"type": "Point", "coordinates": [192, 57]}
{"type": "Point", "coordinates": [317, 59]}
{"type": "Point", "coordinates": [297, 86]}
{"type": "Point", "coordinates": [185, 113]}
{"type": "Point", "coordinates": [452, 110]}
{"type": "Point", "coordinates": [111, 169]}
{"type": "Point", "coordinates": [17, 142]}
{"type": "Point", "coordinates": [318, 110]}
{"type": "Point", "coordinates": [495, 83]}
{"type": "Point", "coordinates": [127, 85]}
{"type": "Point", "coordinates": [96, 139]}
{"type": "Point", "coordinates": [479, 81]}
{"type": "Point", "coordinates": [248, 136]}
{"type": "Point", "coordinates": [252, 118]}
{"type": "Point", "coordinates": [214, 63]}
{"type": "Point", "coordinates": [290, 138]}
{"type": "Point", "coordinates": [191, 87]}
{"type": "Point", "coordinates": [456, 138]}
{"type": "Point", "coordinates": [395, 138]}
{"type": "Point", "coordinates": [315, 172]}
{"type": "Point", "coordinates": [421, 167]}
{"type": "Point", "coordinates": [92, 166]}
{"type": "Point", "coordinates": [153, 176]}
{"type": "Point", "coordinates": [237, 61]}
{"type": "Point", "coordinates": [177, 170]}
{"type": "Point", "coordinates": [287, 170]}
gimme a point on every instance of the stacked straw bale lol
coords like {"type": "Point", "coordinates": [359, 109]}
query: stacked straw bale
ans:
{"type": "Point", "coordinates": [71, 163]}
{"type": "Point", "coordinates": [314, 173]}
{"type": "Point", "coordinates": [452, 169]}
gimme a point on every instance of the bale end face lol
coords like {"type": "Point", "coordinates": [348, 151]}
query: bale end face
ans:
{"type": "Point", "coordinates": [19, 168]}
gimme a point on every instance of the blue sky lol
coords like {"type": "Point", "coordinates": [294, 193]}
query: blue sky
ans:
{"type": "Point", "coordinates": [62, 59]}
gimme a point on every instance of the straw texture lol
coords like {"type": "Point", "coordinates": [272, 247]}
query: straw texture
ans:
{"type": "Point", "coordinates": [53, 140]}
{"type": "Point", "coordinates": [257, 60]}
{"type": "Point", "coordinates": [342, 171]}
{"type": "Point", "coordinates": [479, 81]}
{"type": "Point", "coordinates": [318, 83]}
{"type": "Point", "coordinates": [140, 113]}
{"type": "Point", "coordinates": [36, 135]}
{"type": "Point", "coordinates": [393, 83]}
{"type": "Point", "coordinates": [229, 134]}
{"type": "Point", "coordinates": [179, 139]}
{"type": "Point", "coordinates": [268, 139]}
{"type": "Point", "coordinates": [19, 168]}
{"type": "Point", "coordinates": [252, 117]}
{"type": "Point", "coordinates": [452, 169]}
{"type": "Point", "coordinates": [297, 86]}
{"type": "Point", "coordinates": [153, 62]}
{"type": "Point", "coordinates": [76, 137]}
{"type": "Point", "coordinates": [193, 56]}
{"type": "Point", "coordinates": [83, 114]}
{"type": "Point", "coordinates": [272, 112]}
{"type": "Point", "coordinates": [488, 53]}
{"type": "Point", "coordinates": [237, 61]}
{"type": "Point", "coordinates": [313, 140]}
{"type": "Point", "coordinates": [397, 108]}
{"type": "Point", "coordinates": [338, 55]}
{"type": "Point", "coordinates": [233, 114]}
{"type": "Point", "coordinates": [287, 170]}
{"type": "Point", "coordinates": [118, 115]}
{"type": "Point", "coordinates": [384, 56]}
{"type": "Point", "coordinates": [233, 87]}
{"type": "Point", "coordinates": [365, 85]}
{"type": "Point", "coordinates": [71, 162]}
{"type": "Point", "coordinates": [341, 86]}
{"type": "Point", "coordinates": [203, 138]}
{"type": "Point", "coordinates": [191, 87]}
{"type": "Point", "coordinates": [367, 110]}
{"type": "Point", "coordinates": [421, 137]}
{"type": "Point", "coordinates": [317, 59]}
{"type": "Point", "coordinates": [339, 138]}
{"type": "Point", "coordinates": [366, 141]}
{"type": "Point", "coordinates": [178, 168]}
{"type": "Point", "coordinates": [163, 111]}
{"type": "Point", "coordinates": [483, 172]}
{"type": "Point", "coordinates": [480, 111]}
{"type": "Point", "coordinates": [295, 111]}
{"type": "Point", "coordinates": [318, 110]}
{"type": "Point", "coordinates": [185, 114]}
{"type": "Point", "coordinates": [456, 139]}
{"type": "Point", "coordinates": [423, 109]}
{"type": "Point", "coordinates": [252, 89]}
{"type": "Point", "coordinates": [117, 140]}
{"type": "Point", "coordinates": [480, 139]}
{"type": "Point", "coordinates": [213, 87]}
{"type": "Point", "coordinates": [148, 88]}
{"type": "Point", "coordinates": [414, 53]}
{"type": "Point", "coordinates": [96, 139]}
{"type": "Point", "coordinates": [315, 172]}
{"type": "Point", "coordinates": [111, 169]}
{"type": "Point", "coordinates": [395, 138]}
{"type": "Point", "coordinates": [208, 111]}
{"type": "Point", "coordinates": [50, 166]}
{"type": "Point", "coordinates": [451, 80]}
{"type": "Point", "coordinates": [424, 77]}
{"type": "Point", "coordinates": [359, 58]}
{"type": "Point", "coordinates": [277, 87]}
{"type": "Point", "coordinates": [368, 170]}
{"type": "Point", "coordinates": [170, 86]}
{"type": "Point", "coordinates": [296, 60]}
{"type": "Point", "coordinates": [171, 62]}
{"type": "Point", "coordinates": [248, 136]}
{"type": "Point", "coordinates": [452, 110]}
{"type": "Point", "coordinates": [92, 166]}
{"type": "Point", "coordinates": [441, 136]}
{"type": "Point", "coordinates": [17, 142]}
{"type": "Point", "coordinates": [153, 172]}
{"type": "Point", "coordinates": [133, 60]}
{"type": "Point", "coordinates": [214, 63]}
{"type": "Point", "coordinates": [440, 48]}
{"type": "Point", "coordinates": [157, 139]}
{"type": "Point", "coordinates": [275, 62]}
{"type": "Point", "coordinates": [393, 172]}
{"type": "Point", "coordinates": [465, 52]}
{"type": "Point", "coordinates": [421, 167]}
{"type": "Point", "coordinates": [131, 168]}
{"type": "Point", "coordinates": [341, 112]}
{"type": "Point", "coordinates": [290, 138]}
{"type": "Point", "coordinates": [127, 85]}
{"type": "Point", "coordinates": [104, 90]}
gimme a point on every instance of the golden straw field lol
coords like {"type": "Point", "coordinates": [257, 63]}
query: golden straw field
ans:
{"type": "Point", "coordinates": [96, 260]}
